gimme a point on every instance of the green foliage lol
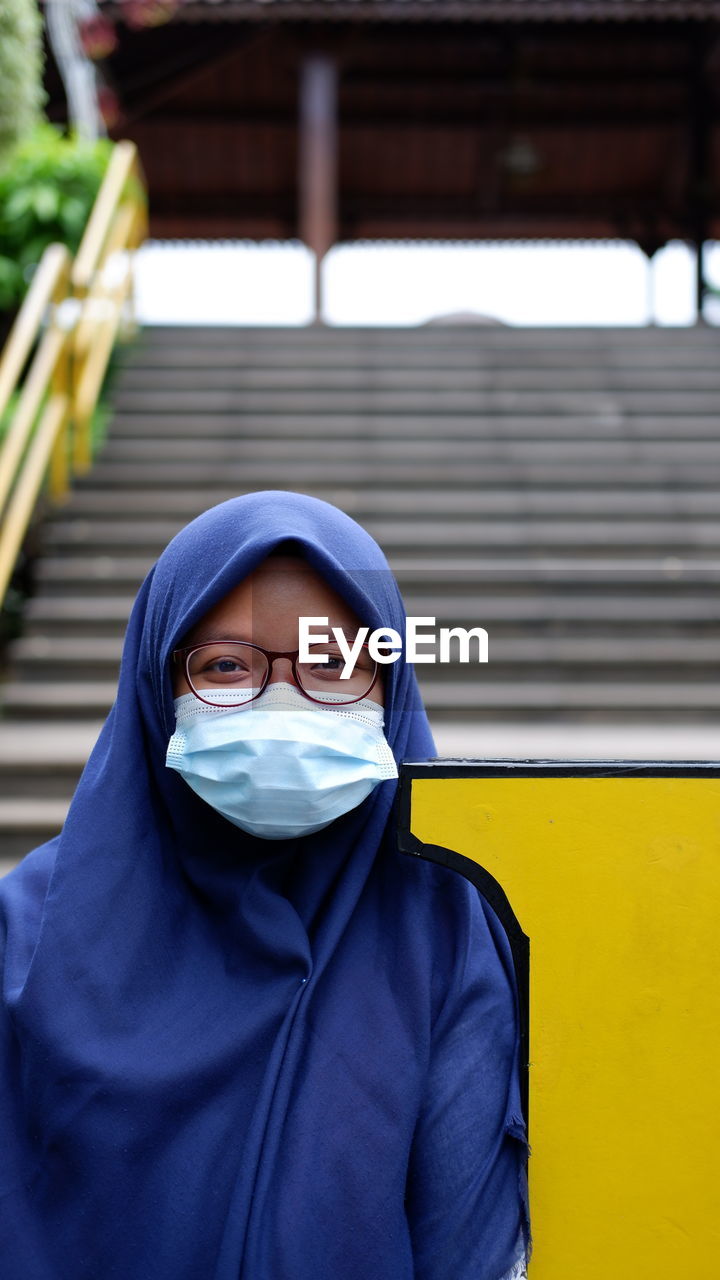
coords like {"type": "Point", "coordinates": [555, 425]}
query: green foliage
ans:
{"type": "Point", "coordinates": [47, 188]}
{"type": "Point", "coordinates": [21, 71]}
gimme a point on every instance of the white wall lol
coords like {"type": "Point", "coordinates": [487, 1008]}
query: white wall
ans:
{"type": "Point", "coordinates": [578, 283]}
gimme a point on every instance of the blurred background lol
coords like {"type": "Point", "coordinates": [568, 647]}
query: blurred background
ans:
{"type": "Point", "coordinates": [449, 264]}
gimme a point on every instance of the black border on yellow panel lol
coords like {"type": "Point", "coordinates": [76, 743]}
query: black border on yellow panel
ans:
{"type": "Point", "coordinates": [487, 886]}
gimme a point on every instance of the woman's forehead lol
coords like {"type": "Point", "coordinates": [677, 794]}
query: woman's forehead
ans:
{"type": "Point", "coordinates": [285, 579]}
{"type": "Point", "coordinates": [279, 590]}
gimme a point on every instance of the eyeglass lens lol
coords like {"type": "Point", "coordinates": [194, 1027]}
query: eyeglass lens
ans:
{"type": "Point", "coordinates": [230, 666]}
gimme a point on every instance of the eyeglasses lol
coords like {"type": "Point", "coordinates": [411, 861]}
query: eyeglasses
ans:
{"type": "Point", "coordinates": [217, 668]}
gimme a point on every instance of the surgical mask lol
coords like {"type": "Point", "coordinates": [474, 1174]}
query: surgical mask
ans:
{"type": "Point", "coordinates": [280, 766]}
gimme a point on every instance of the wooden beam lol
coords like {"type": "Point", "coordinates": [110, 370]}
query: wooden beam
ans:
{"type": "Point", "coordinates": [463, 118]}
{"type": "Point", "coordinates": [177, 75]}
{"type": "Point", "coordinates": [317, 177]}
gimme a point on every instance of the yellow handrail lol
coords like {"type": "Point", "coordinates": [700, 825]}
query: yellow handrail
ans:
{"type": "Point", "coordinates": [46, 285]}
{"type": "Point", "coordinates": [123, 167]}
{"type": "Point", "coordinates": [82, 306]}
{"type": "Point", "coordinates": [52, 279]}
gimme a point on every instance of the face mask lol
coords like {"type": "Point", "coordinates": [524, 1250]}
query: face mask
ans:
{"type": "Point", "coordinates": [280, 766]}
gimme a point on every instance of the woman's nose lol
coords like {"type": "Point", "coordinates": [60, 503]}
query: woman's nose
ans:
{"type": "Point", "coordinates": [281, 670]}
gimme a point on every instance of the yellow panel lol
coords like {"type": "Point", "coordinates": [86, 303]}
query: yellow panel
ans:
{"type": "Point", "coordinates": [616, 881]}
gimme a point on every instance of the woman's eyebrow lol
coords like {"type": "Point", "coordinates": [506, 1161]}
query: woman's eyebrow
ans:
{"type": "Point", "coordinates": [225, 637]}
{"type": "Point", "coordinates": [210, 637]}
{"type": "Point", "coordinates": [350, 632]}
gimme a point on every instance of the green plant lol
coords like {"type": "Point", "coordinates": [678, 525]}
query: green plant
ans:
{"type": "Point", "coordinates": [47, 188]}
{"type": "Point", "coordinates": [21, 71]}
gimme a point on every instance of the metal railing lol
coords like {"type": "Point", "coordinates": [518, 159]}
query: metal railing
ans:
{"type": "Point", "coordinates": [72, 316]}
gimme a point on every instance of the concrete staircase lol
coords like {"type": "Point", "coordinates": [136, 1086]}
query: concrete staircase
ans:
{"type": "Point", "coordinates": [558, 487]}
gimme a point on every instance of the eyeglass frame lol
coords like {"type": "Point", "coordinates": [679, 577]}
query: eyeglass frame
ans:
{"type": "Point", "coordinates": [270, 655]}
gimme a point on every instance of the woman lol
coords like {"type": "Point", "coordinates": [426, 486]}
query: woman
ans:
{"type": "Point", "coordinates": [244, 1037]}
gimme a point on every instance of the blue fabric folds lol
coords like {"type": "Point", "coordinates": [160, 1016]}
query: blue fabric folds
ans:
{"type": "Point", "coordinates": [225, 1058]}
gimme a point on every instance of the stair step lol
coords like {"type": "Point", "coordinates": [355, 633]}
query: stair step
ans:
{"type": "Point", "coordinates": [220, 427]}
{"type": "Point", "coordinates": [242, 449]}
{"type": "Point", "coordinates": [54, 574]}
{"type": "Point", "coordinates": [547, 695]}
{"type": "Point", "coordinates": [439, 380]}
{"type": "Point", "coordinates": [366, 400]}
{"type": "Point", "coordinates": [92, 658]}
{"type": "Point", "coordinates": [70, 699]}
{"type": "Point", "coordinates": [461, 356]}
{"type": "Point", "coordinates": [458, 347]}
{"type": "Point", "coordinates": [299, 474]}
{"type": "Point", "coordinates": [26, 823]}
{"type": "Point", "coordinates": [485, 337]}
{"type": "Point", "coordinates": [43, 758]}
{"type": "Point", "coordinates": [46, 745]}
{"type": "Point", "coordinates": [363, 504]}
{"type": "Point", "coordinates": [30, 780]}
{"type": "Point", "coordinates": [35, 816]}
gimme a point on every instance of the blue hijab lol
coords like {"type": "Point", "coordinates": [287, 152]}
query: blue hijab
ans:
{"type": "Point", "coordinates": [226, 1058]}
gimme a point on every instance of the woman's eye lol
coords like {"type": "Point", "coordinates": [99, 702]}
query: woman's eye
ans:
{"type": "Point", "coordinates": [324, 665]}
{"type": "Point", "coordinates": [225, 667]}
{"type": "Point", "coordinates": [329, 670]}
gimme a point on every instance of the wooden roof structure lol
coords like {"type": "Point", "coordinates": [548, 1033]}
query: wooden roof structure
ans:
{"type": "Point", "coordinates": [444, 10]}
{"type": "Point", "coordinates": [338, 120]}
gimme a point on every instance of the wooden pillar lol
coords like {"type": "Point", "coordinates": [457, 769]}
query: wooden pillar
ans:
{"type": "Point", "coordinates": [317, 178]}
{"type": "Point", "coordinates": [650, 244]}
{"type": "Point", "coordinates": [699, 159]}
{"type": "Point", "coordinates": [700, 275]}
